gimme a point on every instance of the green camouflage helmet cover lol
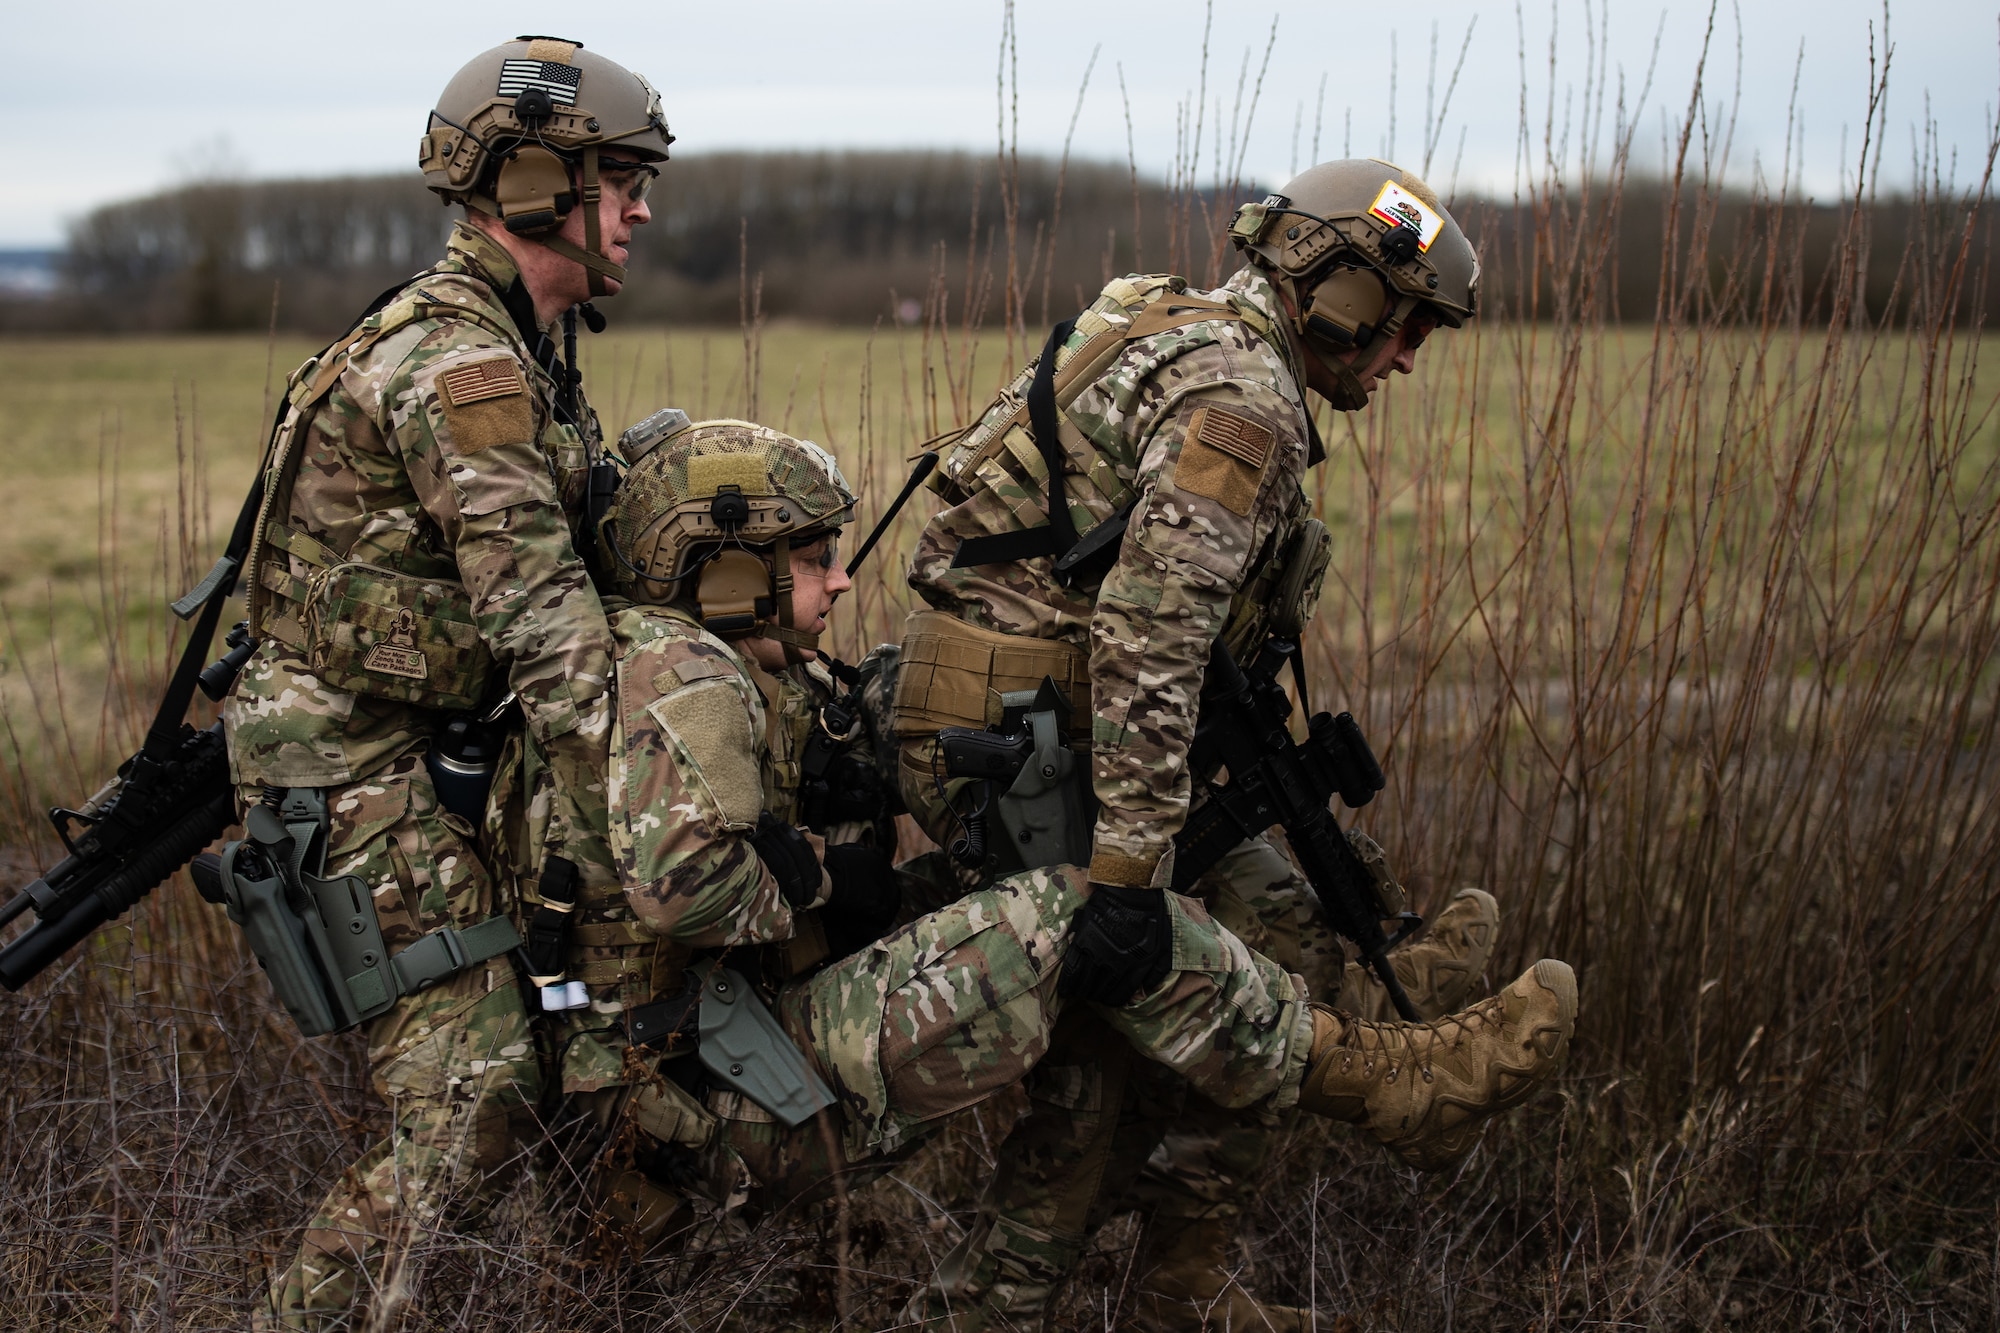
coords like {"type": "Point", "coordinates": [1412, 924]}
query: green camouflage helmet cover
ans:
{"type": "Point", "coordinates": [674, 517]}
{"type": "Point", "coordinates": [1340, 214]}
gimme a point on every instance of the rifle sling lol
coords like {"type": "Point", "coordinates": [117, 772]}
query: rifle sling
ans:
{"type": "Point", "coordinates": [215, 587]}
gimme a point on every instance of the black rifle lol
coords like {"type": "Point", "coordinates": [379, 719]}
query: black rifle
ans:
{"type": "Point", "coordinates": [1276, 780]}
{"type": "Point", "coordinates": [168, 801]}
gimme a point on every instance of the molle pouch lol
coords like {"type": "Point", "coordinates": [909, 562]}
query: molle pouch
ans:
{"type": "Point", "coordinates": [391, 635]}
{"type": "Point", "coordinates": [1296, 596]}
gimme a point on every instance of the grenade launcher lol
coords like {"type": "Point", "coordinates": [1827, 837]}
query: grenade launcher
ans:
{"type": "Point", "coordinates": [166, 803]}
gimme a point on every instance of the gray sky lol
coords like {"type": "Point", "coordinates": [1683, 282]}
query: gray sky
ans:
{"type": "Point", "coordinates": [125, 97]}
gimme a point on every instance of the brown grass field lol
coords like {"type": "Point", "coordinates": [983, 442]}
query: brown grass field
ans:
{"type": "Point", "coordinates": [1679, 638]}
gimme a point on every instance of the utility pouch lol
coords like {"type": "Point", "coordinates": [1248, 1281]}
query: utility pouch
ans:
{"type": "Point", "coordinates": [664, 1110]}
{"type": "Point", "coordinates": [745, 1050]}
{"type": "Point", "coordinates": [318, 939]}
{"type": "Point", "coordinates": [391, 635]}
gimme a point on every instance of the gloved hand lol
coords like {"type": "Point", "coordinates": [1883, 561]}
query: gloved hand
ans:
{"type": "Point", "coordinates": [1121, 944]}
{"type": "Point", "coordinates": [788, 855]}
{"type": "Point", "coordinates": [866, 896]}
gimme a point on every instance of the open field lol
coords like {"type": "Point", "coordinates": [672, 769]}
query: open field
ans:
{"type": "Point", "coordinates": [1682, 640]}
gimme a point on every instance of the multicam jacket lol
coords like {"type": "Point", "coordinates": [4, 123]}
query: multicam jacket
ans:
{"type": "Point", "coordinates": [438, 454]}
{"type": "Point", "coordinates": [697, 749]}
{"type": "Point", "coordinates": [703, 740]}
{"type": "Point", "coordinates": [1207, 425]}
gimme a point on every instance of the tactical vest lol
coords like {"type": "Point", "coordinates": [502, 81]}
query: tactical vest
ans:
{"type": "Point", "coordinates": [952, 673]}
{"type": "Point", "coordinates": [399, 624]}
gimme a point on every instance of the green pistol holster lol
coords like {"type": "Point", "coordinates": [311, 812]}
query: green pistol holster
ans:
{"type": "Point", "coordinates": [318, 939]}
{"type": "Point", "coordinates": [746, 1050]}
{"type": "Point", "coordinates": [1049, 808]}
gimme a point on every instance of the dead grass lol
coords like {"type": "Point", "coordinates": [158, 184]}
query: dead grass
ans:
{"type": "Point", "coordinates": [1681, 639]}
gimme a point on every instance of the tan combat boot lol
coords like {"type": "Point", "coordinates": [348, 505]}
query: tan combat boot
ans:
{"type": "Point", "coordinates": [1439, 971]}
{"type": "Point", "coordinates": [1186, 1276]}
{"type": "Point", "coordinates": [1425, 1090]}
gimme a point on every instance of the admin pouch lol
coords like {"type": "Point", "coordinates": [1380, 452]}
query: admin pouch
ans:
{"type": "Point", "coordinates": [390, 635]}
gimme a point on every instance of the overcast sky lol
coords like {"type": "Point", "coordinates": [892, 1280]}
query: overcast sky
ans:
{"type": "Point", "coordinates": [123, 97]}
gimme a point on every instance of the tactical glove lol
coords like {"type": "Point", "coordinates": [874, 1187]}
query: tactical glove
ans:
{"type": "Point", "coordinates": [789, 857]}
{"type": "Point", "coordinates": [1121, 945]}
{"type": "Point", "coordinates": [866, 896]}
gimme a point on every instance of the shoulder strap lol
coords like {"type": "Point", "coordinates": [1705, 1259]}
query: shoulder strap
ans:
{"type": "Point", "coordinates": [1059, 534]}
{"type": "Point", "coordinates": [1076, 561]}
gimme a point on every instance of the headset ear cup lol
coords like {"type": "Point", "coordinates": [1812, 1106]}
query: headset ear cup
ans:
{"type": "Point", "coordinates": [1348, 306]}
{"type": "Point", "coordinates": [734, 593]}
{"type": "Point", "coordinates": [534, 191]}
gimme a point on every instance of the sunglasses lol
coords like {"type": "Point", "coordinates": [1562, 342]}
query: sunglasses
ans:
{"type": "Point", "coordinates": [634, 180]}
{"type": "Point", "coordinates": [825, 558]}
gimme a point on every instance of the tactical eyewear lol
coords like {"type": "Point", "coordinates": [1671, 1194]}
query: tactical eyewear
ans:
{"type": "Point", "coordinates": [634, 180]}
{"type": "Point", "coordinates": [826, 557]}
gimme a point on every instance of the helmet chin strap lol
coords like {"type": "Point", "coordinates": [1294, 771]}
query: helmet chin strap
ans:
{"type": "Point", "coordinates": [782, 633]}
{"type": "Point", "coordinates": [1351, 394]}
{"type": "Point", "coordinates": [591, 256]}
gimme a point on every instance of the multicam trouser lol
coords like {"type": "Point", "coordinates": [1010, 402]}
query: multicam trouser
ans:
{"type": "Point", "coordinates": [456, 1063]}
{"type": "Point", "coordinates": [1104, 1131]}
{"type": "Point", "coordinates": [961, 1004]}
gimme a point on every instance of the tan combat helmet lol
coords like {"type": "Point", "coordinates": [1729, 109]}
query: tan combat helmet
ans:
{"type": "Point", "coordinates": [710, 513]}
{"type": "Point", "coordinates": [509, 127]}
{"type": "Point", "coordinates": [1360, 246]}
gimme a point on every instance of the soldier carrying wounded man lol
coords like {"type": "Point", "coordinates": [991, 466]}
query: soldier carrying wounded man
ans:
{"type": "Point", "coordinates": [726, 538]}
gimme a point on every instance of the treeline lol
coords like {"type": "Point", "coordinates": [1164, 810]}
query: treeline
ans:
{"type": "Point", "coordinates": [865, 237]}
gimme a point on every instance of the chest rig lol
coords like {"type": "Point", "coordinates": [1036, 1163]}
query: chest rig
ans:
{"type": "Point", "coordinates": [955, 674]}
{"type": "Point", "coordinates": [389, 618]}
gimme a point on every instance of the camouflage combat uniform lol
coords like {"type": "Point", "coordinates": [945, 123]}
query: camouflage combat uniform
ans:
{"type": "Point", "coordinates": [437, 453]}
{"type": "Point", "coordinates": [1206, 422]}
{"type": "Point", "coordinates": [935, 1017]}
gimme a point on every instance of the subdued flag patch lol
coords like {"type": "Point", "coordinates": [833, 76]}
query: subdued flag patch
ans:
{"type": "Point", "coordinates": [559, 81]}
{"type": "Point", "coordinates": [1239, 437]}
{"type": "Point", "coordinates": [493, 378]}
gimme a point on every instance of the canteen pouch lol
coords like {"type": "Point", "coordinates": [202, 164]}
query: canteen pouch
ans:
{"type": "Point", "coordinates": [391, 635]}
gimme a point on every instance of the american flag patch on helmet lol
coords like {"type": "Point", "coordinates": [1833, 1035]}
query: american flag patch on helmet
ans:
{"type": "Point", "coordinates": [496, 377]}
{"type": "Point", "coordinates": [559, 81]}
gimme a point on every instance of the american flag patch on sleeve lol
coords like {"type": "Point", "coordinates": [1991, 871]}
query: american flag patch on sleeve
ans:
{"type": "Point", "coordinates": [475, 383]}
{"type": "Point", "coordinates": [559, 81]}
{"type": "Point", "coordinates": [1239, 437]}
